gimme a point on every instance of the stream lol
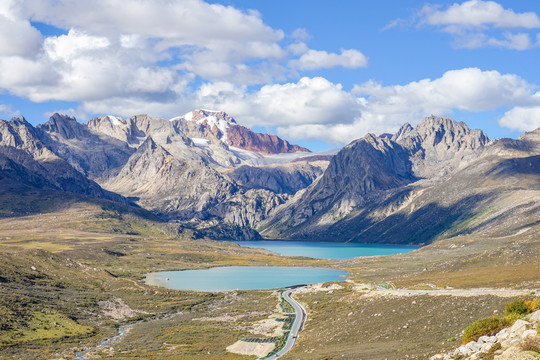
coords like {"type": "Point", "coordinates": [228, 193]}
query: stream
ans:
{"type": "Point", "coordinates": [106, 342]}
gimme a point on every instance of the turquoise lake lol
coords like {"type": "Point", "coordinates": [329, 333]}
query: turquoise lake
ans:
{"type": "Point", "coordinates": [243, 278]}
{"type": "Point", "coordinates": [327, 250]}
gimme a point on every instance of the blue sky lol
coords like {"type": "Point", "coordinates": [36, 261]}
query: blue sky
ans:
{"type": "Point", "coordinates": [318, 73]}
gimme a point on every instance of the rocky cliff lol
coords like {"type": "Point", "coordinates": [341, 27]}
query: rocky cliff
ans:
{"type": "Point", "coordinates": [96, 155]}
{"type": "Point", "coordinates": [439, 145]}
{"type": "Point", "coordinates": [26, 161]}
{"type": "Point", "coordinates": [440, 179]}
{"type": "Point", "coordinates": [288, 178]}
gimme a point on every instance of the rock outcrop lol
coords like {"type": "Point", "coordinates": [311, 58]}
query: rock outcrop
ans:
{"type": "Point", "coordinates": [439, 145]}
{"type": "Point", "coordinates": [95, 155]}
{"type": "Point", "coordinates": [439, 179]}
{"type": "Point", "coordinates": [507, 344]}
{"type": "Point", "coordinates": [26, 161]}
{"type": "Point", "coordinates": [286, 178]}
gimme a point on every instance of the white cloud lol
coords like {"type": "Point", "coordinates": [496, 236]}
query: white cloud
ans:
{"type": "Point", "coordinates": [478, 13]}
{"type": "Point", "coordinates": [478, 23]}
{"type": "Point", "coordinates": [203, 36]}
{"type": "Point", "coordinates": [520, 41]}
{"type": "Point", "coordinates": [522, 118]}
{"type": "Point", "coordinates": [298, 48]}
{"type": "Point", "coordinates": [7, 111]}
{"type": "Point", "coordinates": [308, 101]}
{"type": "Point", "coordinates": [314, 59]}
{"type": "Point", "coordinates": [18, 37]}
{"type": "Point", "coordinates": [315, 108]}
{"type": "Point", "coordinates": [144, 51]}
{"type": "Point", "coordinates": [66, 47]}
{"type": "Point", "coordinates": [301, 34]}
{"type": "Point", "coordinates": [469, 89]}
{"type": "Point", "coordinates": [379, 108]}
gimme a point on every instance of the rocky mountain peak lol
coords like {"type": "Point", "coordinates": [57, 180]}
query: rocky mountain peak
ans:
{"type": "Point", "coordinates": [200, 115]}
{"type": "Point", "coordinates": [434, 130]}
{"type": "Point", "coordinates": [438, 145]}
{"type": "Point", "coordinates": [20, 134]}
{"type": "Point", "coordinates": [19, 121]}
{"type": "Point", "coordinates": [64, 126]}
{"type": "Point", "coordinates": [403, 132]}
{"type": "Point", "coordinates": [218, 125]}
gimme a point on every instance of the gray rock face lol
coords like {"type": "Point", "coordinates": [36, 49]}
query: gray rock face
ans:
{"type": "Point", "coordinates": [168, 185]}
{"type": "Point", "coordinates": [188, 190]}
{"type": "Point", "coordinates": [25, 160]}
{"type": "Point", "coordinates": [286, 178]}
{"type": "Point", "coordinates": [217, 125]}
{"type": "Point", "coordinates": [423, 182]}
{"type": "Point", "coordinates": [426, 182]}
{"type": "Point", "coordinates": [97, 156]}
{"type": "Point", "coordinates": [439, 145]}
{"type": "Point", "coordinates": [362, 169]}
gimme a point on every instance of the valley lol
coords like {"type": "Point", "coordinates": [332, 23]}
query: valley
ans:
{"type": "Point", "coordinates": [87, 210]}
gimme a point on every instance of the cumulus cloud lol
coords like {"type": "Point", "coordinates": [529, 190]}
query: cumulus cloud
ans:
{"type": "Point", "coordinates": [314, 59]}
{"type": "Point", "coordinates": [522, 118]}
{"type": "Point", "coordinates": [478, 13]}
{"type": "Point", "coordinates": [301, 34]}
{"type": "Point", "coordinates": [469, 89]}
{"type": "Point", "coordinates": [316, 108]}
{"type": "Point", "coordinates": [19, 38]}
{"type": "Point", "coordinates": [308, 101]}
{"type": "Point", "coordinates": [145, 52]}
{"type": "Point", "coordinates": [478, 23]}
{"type": "Point", "coordinates": [372, 107]}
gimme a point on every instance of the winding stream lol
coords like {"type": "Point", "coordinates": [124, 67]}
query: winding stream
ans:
{"type": "Point", "coordinates": [106, 342]}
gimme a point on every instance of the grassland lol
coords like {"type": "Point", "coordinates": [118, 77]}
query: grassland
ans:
{"type": "Point", "coordinates": [59, 265]}
{"type": "Point", "coordinates": [58, 268]}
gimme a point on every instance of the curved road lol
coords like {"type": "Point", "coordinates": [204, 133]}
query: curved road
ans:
{"type": "Point", "coordinates": [296, 327]}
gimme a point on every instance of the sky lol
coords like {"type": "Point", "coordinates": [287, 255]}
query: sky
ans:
{"type": "Point", "coordinates": [317, 73]}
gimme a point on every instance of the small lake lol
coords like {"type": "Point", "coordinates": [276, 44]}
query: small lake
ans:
{"type": "Point", "coordinates": [326, 250]}
{"type": "Point", "coordinates": [243, 278]}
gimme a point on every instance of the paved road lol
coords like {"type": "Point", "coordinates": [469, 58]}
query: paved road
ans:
{"type": "Point", "coordinates": [297, 325]}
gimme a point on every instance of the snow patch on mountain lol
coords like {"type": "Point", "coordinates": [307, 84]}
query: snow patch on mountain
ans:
{"type": "Point", "coordinates": [221, 124]}
{"type": "Point", "coordinates": [254, 158]}
{"type": "Point", "coordinates": [114, 121]}
{"type": "Point", "coordinates": [200, 141]}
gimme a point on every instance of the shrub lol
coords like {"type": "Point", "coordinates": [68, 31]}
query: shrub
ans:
{"type": "Point", "coordinates": [534, 305]}
{"type": "Point", "coordinates": [517, 307]}
{"type": "Point", "coordinates": [486, 326]}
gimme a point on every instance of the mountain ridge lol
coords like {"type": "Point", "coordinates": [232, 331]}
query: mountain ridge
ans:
{"type": "Point", "coordinates": [372, 190]}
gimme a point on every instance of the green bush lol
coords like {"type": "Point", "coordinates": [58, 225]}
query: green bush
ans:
{"type": "Point", "coordinates": [517, 307]}
{"type": "Point", "coordinates": [534, 304]}
{"type": "Point", "coordinates": [486, 326]}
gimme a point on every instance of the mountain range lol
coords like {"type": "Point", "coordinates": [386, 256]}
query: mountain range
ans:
{"type": "Point", "coordinates": [205, 171]}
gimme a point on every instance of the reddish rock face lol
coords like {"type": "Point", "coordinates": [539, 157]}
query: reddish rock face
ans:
{"type": "Point", "coordinates": [243, 138]}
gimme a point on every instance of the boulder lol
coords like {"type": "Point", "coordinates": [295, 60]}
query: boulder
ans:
{"type": "Point", "coordinates": [535, 317]}
{"type": "Point", "coordinates": [519, 327]}
{"type": "Point", "coordinates": [529, 333]}
{"type": "Point", "coordinates": [473, 346]}
{"type": "Point", "coordinates": [486, 347]}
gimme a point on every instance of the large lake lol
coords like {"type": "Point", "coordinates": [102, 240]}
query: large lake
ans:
{"type": "Point", "coordinates": [243, 278]}
{"type": "Point", "coordinates": [327, 250]}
